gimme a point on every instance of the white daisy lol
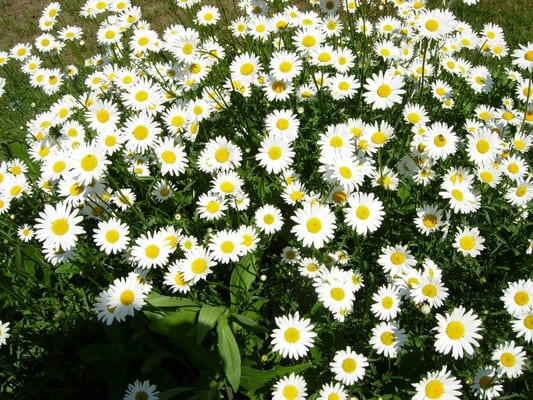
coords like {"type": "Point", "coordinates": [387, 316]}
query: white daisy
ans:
{"type": "Point", "coordinates": [293, 336]}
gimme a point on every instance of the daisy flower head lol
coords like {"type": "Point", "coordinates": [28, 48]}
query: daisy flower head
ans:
{"type": "Point", "coordinates": [293, 336]}
{"type": "Point", "coordinates": [292, 387]}
{"type": "Point", "coordinates": [388, 339]}
{"type": "Point", "coordinates": [364, 212]}
{"type": "Point", "coordinates": [174, 278]}
{"type": "Point", "coordinates": [268, 219]}
{"type": "Point", "coordinates": [25, 233]}
{"type": "Point", "coordinates": [227, 183]}
{"type": "Point", "coordinates": [207, 15]}
{"type": "Point", "coordinates": [348, 366]}
{"type": "Point", "coordinates": [337, 295]}
{"type": "Point", "coordinates": [88, 163]}
{"type": "Point", "coordinates": [285, 65]}
{"type": "Point", "coordinates": [518, 297]}
{"type": "Point", "coordinates": [275, 153]}
{"type": "Point", "coordinates": [520, 193]}
{"type": "Point", "coordinates": [284, 123]}
{"type": "Point", "coordinates": [245, 68]}
{"type": "Point", "coordinates": [332, 391]}
{"type": "Point", "coordinates": [395, 259]}
{"type": "Point", "coordinates": [150, 251]}
{"type": "Point", "coordinates": [457, 332]}
{"type": "Point", "coordinates": [123, 198]}
{"type": "Point", "coordinates": [469, 241]}
{"type": "Point", "coordinates": [171, 156]}
{"type": "Point", "coordinates": [112, 236]}
{"type": "Point", "coordinates": [197, 265]}
{"type": "Point", "coordinates": [483, 146]}
{"type": "Point", "coordinates": [143, 95]}
{"type": "Point", "coordinates": [515, 167]}
{"type": "Point", "coordinates": [383, 90]}
{"type": "Point", "coordinates": [308, 38]}
{"type": "Point", "coordinates": [438, 385]}
{"type": "Point", "coordinates": [58, 226]}
{"type": "Point", "coordinates": [126, 295]}
{"type": "Point", "coordinates": [314, 225]}
{"type": "Point", "coordinates": [430, 291]}
{"type": "Point", "coordinates": [523, 57]}
{"type": "Point", "coordinates": [226, 246]}
{"type": "Point", "coordinates": [486, 385]}
{"type": "Point", "coordinates": [462, 199]}
{"type": "Point", "coordinates": [510, 359]}
{"type": "Point", "coordinates": [435, 24]}
{"type": "Point", "coordinates": [211, 206]}
{"type": "Point", "coordinates": [439, 141]}
{"type": "Point", "coordinates": [219, 154]}
{"type": "Point", "coordinates": [429, 218]}
{"type": "Point", "coordinates": [4, 332]}
{"type": "Point", "coordinates": [387, 303]}
{"type": "Point", "coordinates": [141, 390]}
{"type": "Point", "coordinates": [342, 86]}
{"type": "Point", "coordinates": [523, 326]}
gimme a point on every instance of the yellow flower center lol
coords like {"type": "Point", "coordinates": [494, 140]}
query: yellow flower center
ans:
{"type": "Point", "coordinates": [521, 298]}
{"type": "Point", "coordinates": [102, 116]}
{"type": "Point", "coordinates": [345, 172]}
{"type": "Point", "coordinates": [292, 335]}
{"type": "Point", "coordinates": [221, 155]}
{"type": "Point", "coordinates": [482, 146]}
{"type": "Point", "coordinates": [439, 140]}
{"type": "Point", "coordinates": [387, 338]}
{"type": "Point", "coordinates": [378, 137]}
{"type": "Point", "coordinates": [337, 293]}
{"type": "Point", "coordinates": [89, 162]}
{"type": "Point", "coordinates": [529, 55]}
{"type": "Point", "coordinates": [429, 290]}
{"type": "Point", "coordinates": [432, 25]}
{"type": "Point", "coordinates": [274, 153]}
{"type": "Point", "coordinates": [112, 236]}
{"type": "Point", "coordinates": [507, 359]}
{"type": "Point", "coordinates": [486, 176]}
{"type": "Point", "coordinates": [285, 66]}
{"type": "Point", "coordinates": [152, 251]}
{"type": "Point", "coordinates": [336, 141]}
{"type": "Point", "coordinates": [168, 156]}
{"type": "Point", "coordinates": [314, 225]}
{"type": "Point", "coordinates": [227, 246]}
{"type": "Point", "coordinates": [455, 330]}
{"type": "Point", "coordinates": [59, 166]}
{"type": "Point", "coordinates": [247, 69]}
{"type": "Point", "coordinates": [467, 242]}
{"type": "Point", "coordinates": [397, 258]}
{"type": "Point", "coordinates": [212, 207]}
{"type": "Point", "coordinates": [127, 297]}
{"type": "Point", "coordinates": [309, 41]}
{"type": "Point", "coordinates": [513, 168]}
{"type": "Point", "coordinates": [387, 302]}
{"type": "Point", "coordinates": [457, 194]}
{"type": "Point", "coordinates": [140, 132]}
{"type": "Point", "coordinates": [434, 389]}
{"type": "Point", "coordinates": [198, 266]}
{"type": "Point", "coordinates": [362, 212]}
{"type": "Point", "coordinates": [349, 365]}
{"type": "Point", "coordinates": [384, 90]}
{"type": "Point", "coordinates": [141, 95]}
{"type": "Point", "coordinates": [290, 392]}
{"type": "Point", "coordinates": [282, 124]}
{"type": "Point", "coordinates": [528, 322]}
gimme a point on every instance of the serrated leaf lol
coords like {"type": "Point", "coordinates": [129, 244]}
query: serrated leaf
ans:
{"type": "Point", "coordinates": [207, 318]}
{"type": "Point", "coordinates": [229, 353]}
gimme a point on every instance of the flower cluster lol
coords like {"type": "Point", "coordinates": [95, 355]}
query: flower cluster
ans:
{"type": "Point", "coordinates": [361, 154]}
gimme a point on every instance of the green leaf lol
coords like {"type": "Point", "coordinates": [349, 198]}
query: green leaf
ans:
{"type": "Point", "coordinates": [403, 193]}
{"type": "Point", "coordinates": [159, 300]}
{"type": "Point", "coordinates": [242, 277]}
{"type": "Point", "coordinates": [253, 379]}
{"type": "Point", "coordinates": [177, 324]}
{"type": "Point", "coordinates": [172, 393]}
{"type": "Point", "coordinates": [248, 323]}
{"type": "Point", "coordinates": [229, 353]}
{"type": "Point", "coordinates": [207, 318]}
